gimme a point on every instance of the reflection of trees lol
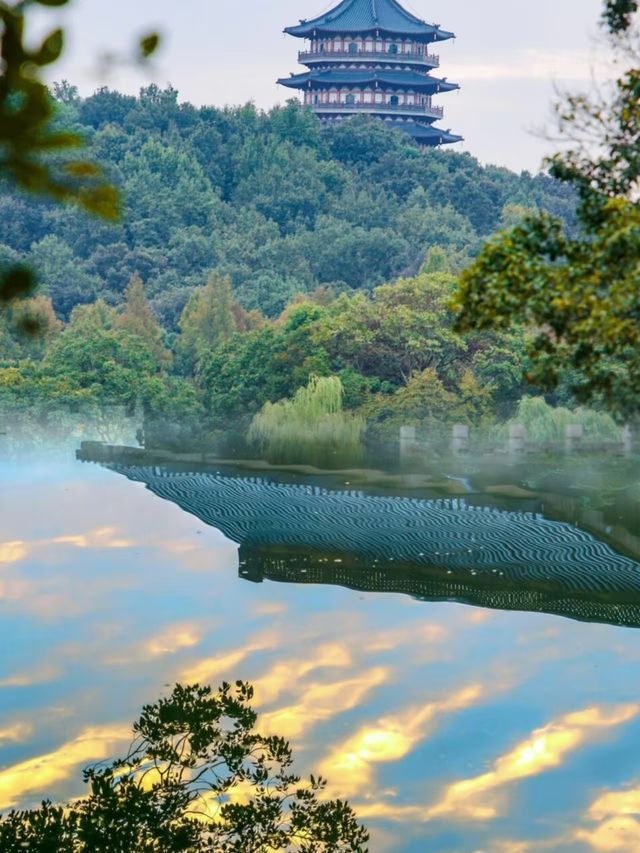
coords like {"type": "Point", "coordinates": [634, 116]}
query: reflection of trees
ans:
{"type": "Point", "coordinates": [494, 590]}
{"type": "Point", "coordinates": [430, 549]}
{"type": "Point", "coordinates": [197, 778]}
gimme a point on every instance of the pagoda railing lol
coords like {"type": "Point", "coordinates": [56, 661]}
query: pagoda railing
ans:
{"type": "Point", "coordinates": [416, 109]}
{"type": "Point", "coordinates": [340, 55]}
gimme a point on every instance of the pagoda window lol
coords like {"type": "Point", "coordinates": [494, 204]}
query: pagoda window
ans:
{"type": "Point", "coordinates": [353, 47]}
{"type": "Point", "coordinates": [369, 45]}
{"type": "Point", "coordinates": [350, 99]}
{"type": "Point", "coordinates": [394, 101]}
{"type": "Point", "coordinates": [393, 48]}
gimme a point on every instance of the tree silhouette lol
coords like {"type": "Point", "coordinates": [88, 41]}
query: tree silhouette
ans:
{"type": "Point", "coordinates": [197, 778]}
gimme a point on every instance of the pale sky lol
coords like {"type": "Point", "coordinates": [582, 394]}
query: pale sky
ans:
{"type": "Point", "coordinates": [508, 56]}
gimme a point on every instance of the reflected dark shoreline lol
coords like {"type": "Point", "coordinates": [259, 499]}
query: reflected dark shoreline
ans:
{"type": "Point", "coordinates": [442, 549]}
{"type": "Point", "coordinates": [614, 607]}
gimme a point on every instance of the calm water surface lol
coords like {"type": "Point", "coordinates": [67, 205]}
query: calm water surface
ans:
{"type": "Point", "coordinates": [451, 727]}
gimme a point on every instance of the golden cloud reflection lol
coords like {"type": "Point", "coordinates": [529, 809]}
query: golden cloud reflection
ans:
{"type": "Point", "coordinates": [617, 815]}
{"type": "Point", "coordinates": [417, 633]}
{"type": "Point", "coordinates": [170, 641]}
{"type": "Point", "coordinates": [111, 538]}
{"type": "Point", "coordinates": [287, 673]}
{"type": "Point", "coordinates": [617, 835]}
{"type": "Point", "coordinates": [28, 679]}
{"type": "Point", "coordinates": [211, 669]}
{"type": "Point", "coordinates": [478, 798]}
{"type": "Point", "coordinates": [320, 702]}
{"type": "Point", "coordinates": [35, 775]}
{"type": "Point", "coordinates": [102, 537]}
{"type": "Point", "coordinates": [618, 830]}
{"type": "Point", "coordinates": [12, 552]}
{"type": "Point", "coordinates": [350, 765]}
{"type": "Point", "coordinates": [17, 733]}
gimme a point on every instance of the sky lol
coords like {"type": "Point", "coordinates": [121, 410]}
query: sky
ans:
{"type": "Point", "coordinates": [509, 57]}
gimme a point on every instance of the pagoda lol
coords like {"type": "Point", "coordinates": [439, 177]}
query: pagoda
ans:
{"type": "Point", "coordinates": [372, 57]}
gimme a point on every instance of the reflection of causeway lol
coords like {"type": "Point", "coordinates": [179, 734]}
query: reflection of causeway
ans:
{"type": "Point", "coordinates": [440, 549]}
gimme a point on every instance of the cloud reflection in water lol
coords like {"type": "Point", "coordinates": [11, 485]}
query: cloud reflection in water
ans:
{"type": "Point", "coordinates": [427, 715]}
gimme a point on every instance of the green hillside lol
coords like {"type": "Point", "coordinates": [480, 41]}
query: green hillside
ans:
{"type": "Point", "coordinates": [268, 198]}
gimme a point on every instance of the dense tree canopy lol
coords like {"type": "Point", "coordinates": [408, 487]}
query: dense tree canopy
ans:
{"type": "Point", "coordinates": [268, 199]}
{"type": "Point", "coordinates": [30, 132]}
{"type": "Point", "coordinates": [579, 290]}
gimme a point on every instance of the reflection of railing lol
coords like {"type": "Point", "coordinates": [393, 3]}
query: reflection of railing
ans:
{"type": "Point", "coordinates": [340, 55]}
{"type": "Point", "coordinates": [416, 109]}
{"type": "Point", "coordinates": [449, 542]}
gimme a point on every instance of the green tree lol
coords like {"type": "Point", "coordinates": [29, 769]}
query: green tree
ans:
{"type": "Point", "coordinates": [207, 320]}
{"type": "Point", "coordinates": [197, 778]}
{"type": "Point", "coordinates": [580, 294]}
{"type": "Point", "coordinates": [63, 278]}
{"type": "Point", "coordinates": [405, 328]}
{"type": "Point", "coordinates": [37, 325]}
{"type": "Point", "coordinates": [138, 319]}
{"type": "Point", "coordinates": [29, 133]}
{"type": "Point", "coordinates": [112, 365]}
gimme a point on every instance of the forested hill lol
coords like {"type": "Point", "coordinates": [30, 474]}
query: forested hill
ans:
{"type": "Point", "coordinates": [268, 198]}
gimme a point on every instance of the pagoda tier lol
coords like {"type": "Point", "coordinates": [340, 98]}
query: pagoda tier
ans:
{"type": "Point", "coordinates": [380, 17]}
{"type": "Point", "coordinates": [371, 56]}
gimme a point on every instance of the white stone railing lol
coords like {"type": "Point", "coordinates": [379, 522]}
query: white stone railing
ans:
{"type": "Point", "coordinates": [417, 109]}
{"type": "Point", "coordinates": [340, 55]}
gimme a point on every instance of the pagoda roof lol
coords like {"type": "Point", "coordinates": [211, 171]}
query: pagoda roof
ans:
{"type": "Point", "coordinates": [363, 16]}
{"type": "Point", "coordinates": [426, 134]}
{"type": "Point", "coordinates": [346, 77]}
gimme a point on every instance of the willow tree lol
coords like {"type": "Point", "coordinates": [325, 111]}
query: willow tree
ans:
{"type": "Point", "coordinates": [579, 294]}
{"type": "Point", "coordinates": [312, 420]}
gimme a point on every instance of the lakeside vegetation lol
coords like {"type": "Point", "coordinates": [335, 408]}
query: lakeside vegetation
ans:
{"type": "Point", "coordinates": [255, 253]}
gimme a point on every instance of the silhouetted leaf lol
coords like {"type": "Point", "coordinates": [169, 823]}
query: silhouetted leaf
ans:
{"type": "Point", "coordinates": [50, 50]}
{"type": "Point", "coordinates": [17, 282]}
{"type": "Point", "coordinates": [149, 44]}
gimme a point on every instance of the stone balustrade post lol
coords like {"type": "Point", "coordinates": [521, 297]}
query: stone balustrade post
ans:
{"type": "Point", "coordinates": [409, 444]}
{"type": "Point", "coordinates": [573, 436]}
{"type": "Point", "coordinates": [517, 438]}
{"type": "Point", "coordinates": [460, 438]}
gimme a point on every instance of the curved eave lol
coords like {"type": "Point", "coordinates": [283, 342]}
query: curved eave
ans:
{"type": "Point", "coordinates": [443, 35]}
{"type": "Point", "coordinates": [425, 33]}
{"type": "Point", "coordinates": [429, 135]}
{"type": "Point", "coordinates": [329, 79]}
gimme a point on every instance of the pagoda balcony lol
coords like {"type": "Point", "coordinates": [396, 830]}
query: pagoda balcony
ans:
{"type": "Point", "coordinates": [414, 58]}
{"type": "Point", "coordinates": [417, 110]}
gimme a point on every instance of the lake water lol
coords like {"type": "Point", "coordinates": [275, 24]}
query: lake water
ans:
{"type": "Point", "coordinates": [416, 635]}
